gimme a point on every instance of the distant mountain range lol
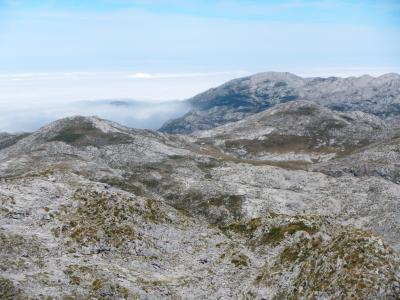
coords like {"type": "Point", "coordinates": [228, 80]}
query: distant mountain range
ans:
{"type": "Point", "coordinates": [242, 97]}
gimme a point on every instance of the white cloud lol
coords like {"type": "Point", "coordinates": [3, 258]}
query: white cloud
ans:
{"type": "Point", "coordinates": [140, 75]}
{"type": "Point", "coordinates": [46, 76]}
{"type": "Point", "coordinates": [186, 75]}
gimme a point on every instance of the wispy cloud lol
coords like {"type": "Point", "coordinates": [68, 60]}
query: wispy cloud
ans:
{"type": "Point", "coordinates": [141, 75]}
{"type": "Point", "coordinates": [46, 76]}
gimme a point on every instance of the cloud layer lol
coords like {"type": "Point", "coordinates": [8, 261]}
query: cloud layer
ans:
{"type": "Point", "coordinates": [136, 114]}
{"type": "Point", "coordinates": [60, 87]}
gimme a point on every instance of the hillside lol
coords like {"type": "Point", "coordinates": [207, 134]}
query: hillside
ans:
{"type": "Point", "coordinates": [93, 209]}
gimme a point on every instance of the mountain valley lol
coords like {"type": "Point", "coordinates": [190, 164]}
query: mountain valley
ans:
{"type": "Point", "coordinates": [272, 187]}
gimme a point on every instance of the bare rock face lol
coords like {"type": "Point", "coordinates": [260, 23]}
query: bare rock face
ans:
{"type": "Point", "coordinates": [295, 202]}
{"type": "Point", "coordinates": [242, 97]}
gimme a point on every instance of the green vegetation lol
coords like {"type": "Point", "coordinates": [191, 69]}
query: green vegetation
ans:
{"type": "Point", "coordinates": [8, 291]}
{"type": "Point", "coordinates": [240, 260]}
{"type": "Point", "coordinates": [352, 264]}
{"type": "Point", "coordinates": [153, 212]}
{"type": "Point", "coordinates": [17, 252]}
{"type": "Point", "coordinates": [106, 218]}
{"type": "Point", "coordinates": [94, 283]}
{"type": "Point", "coordinates": [97, 284]}
{"type": "Point", "coordinates": [276, 234]}
{"type": "Point", "coordinates": [73, 134]}
{"type": "Point", "coordinates": [246, 228]}
{"type": "Point", "coordinates": [85, 134]}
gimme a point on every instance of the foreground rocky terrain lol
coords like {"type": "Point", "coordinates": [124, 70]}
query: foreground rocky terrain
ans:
{"type": "Point", "coordinates": [298, 201]}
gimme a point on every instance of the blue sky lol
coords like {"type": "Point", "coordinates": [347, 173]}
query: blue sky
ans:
{"type": "Point", "coordinates": [179, 35]}
{"type": "Point", "coordinates": [55, 51]}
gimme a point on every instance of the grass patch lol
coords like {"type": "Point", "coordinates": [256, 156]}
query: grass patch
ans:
{"type": "Point", "coordinates": [246, 229]}
{"type": "Point", "coordinates": [277, 234]}
{"type": "Point", "coordinates": [85, 134]}
{"type": "Point", "coordinates": [240, 260]}
{"type": "Point", "coordinates": [8, 291]}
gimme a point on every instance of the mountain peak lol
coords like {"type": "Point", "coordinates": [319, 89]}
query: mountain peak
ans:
{"type": "Point", "coordinates": [272, 75]}
{"type": "Point", "coordinates": [87, 122]}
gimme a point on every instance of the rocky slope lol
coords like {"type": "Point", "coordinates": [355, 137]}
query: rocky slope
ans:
{"type": "Point", "coordinates": [92, 209]}
{"type": "Point", "coordinates": [379, 159]}
{"type": "Point", "coordinates": [242, 97]}
{"type": "Point", "coordinates": [7, 139]}
{"type": "Point", "coordinates": [297, 131]}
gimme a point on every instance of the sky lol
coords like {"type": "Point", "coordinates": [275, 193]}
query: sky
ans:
{"type": "Point", "coordinates": [54, 52]}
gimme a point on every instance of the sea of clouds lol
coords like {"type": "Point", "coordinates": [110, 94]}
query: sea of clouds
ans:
{"type": "Point", "coordinates": [131, 113]}
{"type": "Point", "coordinates": [31, 100]}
